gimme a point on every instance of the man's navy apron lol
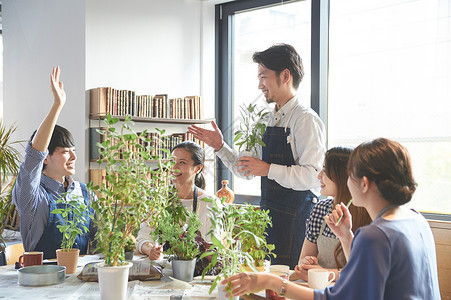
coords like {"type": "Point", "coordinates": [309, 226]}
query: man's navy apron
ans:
{"type": "Point", "coordinates": [288, 209]}
{"type": "Point", "coordinates": [51, 238]}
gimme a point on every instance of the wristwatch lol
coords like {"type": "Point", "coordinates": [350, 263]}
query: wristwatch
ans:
{"type": "Point", "coordinates": [283, 288]}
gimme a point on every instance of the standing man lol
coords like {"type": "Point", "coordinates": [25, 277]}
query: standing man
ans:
{"type": "Point", "coordinates": [292, 157]}
{"type": "Point", "coordinates": [44, 177]}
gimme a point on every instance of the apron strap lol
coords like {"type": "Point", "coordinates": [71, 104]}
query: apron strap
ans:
{"type": "Point", "coordinates": [195, 199]}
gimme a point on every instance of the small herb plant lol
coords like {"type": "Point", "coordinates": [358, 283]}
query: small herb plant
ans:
{"type": "Point", "coordinates": [252, 129]}
{"type": "Point", "coordinates": [180, 231]}
{"type": "Point", "coordinates": [75, 213]}
{"type": "Point", "coordinates": [134, 191]}
{"type": "Point", "coordinates": [227, 250]}
{"type": "Point", "coordinates": [254, 222]}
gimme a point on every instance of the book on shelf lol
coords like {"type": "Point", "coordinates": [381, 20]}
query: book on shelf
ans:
{"type": "Point", "coordinates": [104, 100]}
{"type": "Point", "coordinates": [156, 144]}
{"type": "Point", "coordinates": [95, 138]}
{"type": "Point", "coordinates": [98, 101]}
{"type": "Point", "coordinates": [97, 176]}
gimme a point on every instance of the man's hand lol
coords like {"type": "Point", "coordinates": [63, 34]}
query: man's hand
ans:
{"type": "Point", "coordinates": [57, 87]}
{"type": "Point", "coordinates": [252, 166]}
{"type": "Point", "coordinates": [212, 138]}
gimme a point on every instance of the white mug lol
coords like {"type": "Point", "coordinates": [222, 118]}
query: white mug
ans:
{"type": "Point", "coordinates": [319, 278]}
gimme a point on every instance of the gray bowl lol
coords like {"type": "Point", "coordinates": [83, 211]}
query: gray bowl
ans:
{"type": "Point", "coordinates": [42, 275]}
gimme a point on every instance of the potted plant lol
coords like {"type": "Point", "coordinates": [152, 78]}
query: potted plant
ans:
{"type": "Point", "coordinates": [252, 129]}
{"type": "Point", "coordinates": [179, 227]}
{"type": "Point", "coordinates": [9, 167]}
{"type": "Point", "coordinates": [133, 193]}
{"type": "Point", "coordinates": [252, 235]}
{"type": "Point", "coordinates": [130, 247]}
{"type": "Point", "coordinates": [227, 250]}
{"type": "Point", "coordinates": [75, 213]}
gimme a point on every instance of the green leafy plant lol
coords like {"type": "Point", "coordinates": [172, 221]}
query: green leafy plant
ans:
{"type": "Point", "coordinates": [179, 229]}
{"type": "Point", "coordinates": [9, 167]}
{"type": "Point", "coordinates": [75, 213]}
{"type": "Point", "coordinates": [252, 235]}
{"type": "Point", "coordinates": [134, 191]}
{"type": "Point", "coordinates": [251, 129]}
{"type": "Point", "coordinates": [227, 250]}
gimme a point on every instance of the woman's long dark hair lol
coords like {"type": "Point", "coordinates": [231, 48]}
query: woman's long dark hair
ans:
{"type": "Point", "coordinates": [335, 167]}
{"type": "Point", "coordinates": [198, 156]}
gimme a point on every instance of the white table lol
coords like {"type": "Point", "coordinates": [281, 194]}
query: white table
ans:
{"type": "Point", "coordinates": [73, 288]}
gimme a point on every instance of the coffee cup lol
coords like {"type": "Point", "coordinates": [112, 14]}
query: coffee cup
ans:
{"type": "Point", "coordinates": [279, 270]}
{"type": "Point", "coordinates": [319, 278]}
{"type": "Point", "coordinates": [31, 259]}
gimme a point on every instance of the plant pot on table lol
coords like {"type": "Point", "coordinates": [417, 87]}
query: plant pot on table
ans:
{"type": "Point", "coordinates": [68, 258]}
{"type": "Point", "coordinates": [183, 269]}
{"type": "Point", "coordinates": [113, 281]}
{"type": "Point", "coordinates": [223, 295]}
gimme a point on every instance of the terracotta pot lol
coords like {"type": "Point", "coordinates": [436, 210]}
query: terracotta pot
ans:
{"type": "Point", "coordinates": [69, 259]}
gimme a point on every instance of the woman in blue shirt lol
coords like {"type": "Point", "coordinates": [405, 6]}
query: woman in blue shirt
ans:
{"type": "Point", "coordinates": [393, 257]}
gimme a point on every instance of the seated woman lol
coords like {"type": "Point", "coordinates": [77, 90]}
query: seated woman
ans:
{"type": "Point", "coordinates": [393, 257]}
{"type": "Point", "coordinates": [321, 248]}
{"type": "Point", "coordinates": [189, 183]}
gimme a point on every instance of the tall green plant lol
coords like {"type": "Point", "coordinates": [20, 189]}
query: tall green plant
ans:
{"type": "Point", "coordinates": [252, 128]}
{"type": "Point", "coordinates": [75, 213]}
{"type": "Point", "coordinates": [134, 192]}
{"type": "Point", "coordinates": [9, 167]}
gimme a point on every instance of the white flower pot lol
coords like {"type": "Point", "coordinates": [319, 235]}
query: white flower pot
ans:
{"type": "Point", "coordinates": [246, 153]}
{"type": "Point", "coordinates": [183, 269]}
{"type": "Point", "coordinates": [113, 281]}
{"type": "Point", "coordinates": [223, 295]}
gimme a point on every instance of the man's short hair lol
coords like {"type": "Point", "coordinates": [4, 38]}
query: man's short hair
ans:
{"type": "Point", "coordinates": [279, 57]}
{"type": "Point", "coordinates": [61, 137]}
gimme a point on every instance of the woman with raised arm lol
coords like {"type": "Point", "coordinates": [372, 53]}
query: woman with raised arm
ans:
{"type": "Point", "coordinates": [189, 183]}
{"type": "Point", "coordinates": [321, 248]}
{"type": "Point", "coordinates": [393, 257]}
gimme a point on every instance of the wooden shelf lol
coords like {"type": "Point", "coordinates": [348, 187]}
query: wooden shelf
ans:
{"type": "Point", "coordinates": [156, 120]}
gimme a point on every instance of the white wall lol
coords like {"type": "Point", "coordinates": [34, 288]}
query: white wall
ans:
{"type": "Point", "coordinates": [148, 46]}
{"type": "Point", "coordinates": [36, 36]}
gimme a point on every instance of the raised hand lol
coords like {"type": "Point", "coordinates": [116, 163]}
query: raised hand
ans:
{"type": "Point", "coordinates": [57, 87]}
{"type": "Point", "coordinates": [212, 138]}
{"type": "Point", "coordinates": [343, 228]}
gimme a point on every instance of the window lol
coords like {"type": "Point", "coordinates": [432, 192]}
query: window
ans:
{"type": "Point", "coordinates": [389, 76]}
{"type": "Point", "coordinates": [387, 66]}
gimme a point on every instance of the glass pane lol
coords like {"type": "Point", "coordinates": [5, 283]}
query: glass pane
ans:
{"type": "Point", "coordinates": [390, 69]}
{"type": "Point", "coordinates": [257, 30]}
